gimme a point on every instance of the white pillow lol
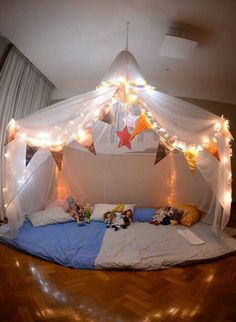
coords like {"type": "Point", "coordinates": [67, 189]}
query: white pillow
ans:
{"type": "Point", "coordinates": [49, 216]}
{"type": "Point", "coordinates": [100, 209]}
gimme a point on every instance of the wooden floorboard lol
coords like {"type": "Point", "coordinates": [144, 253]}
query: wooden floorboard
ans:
{"type": "Point", "coordinates": [32, 289]}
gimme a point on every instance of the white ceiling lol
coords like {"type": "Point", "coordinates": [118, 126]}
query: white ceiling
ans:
{"type": "Point", "coordinates": [73, 42]}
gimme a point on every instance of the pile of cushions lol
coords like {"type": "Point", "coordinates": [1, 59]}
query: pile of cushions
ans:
{"type": "Point", "coordinates": [54, 213]}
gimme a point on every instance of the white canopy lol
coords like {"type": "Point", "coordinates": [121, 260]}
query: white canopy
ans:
{"type": "Point", "coordinates": [117, 174]}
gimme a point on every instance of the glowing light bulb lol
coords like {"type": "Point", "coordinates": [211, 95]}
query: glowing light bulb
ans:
{"type": "Point", "coordinates": [225, 159]}
{"type": "Point", "coordinates": [81, 134]}
{"type": "Point", "coordinates": [7, 155]}
{"type": "Point", "coordinates": [96, 113]}
{"type": "Point", "coordinates": [228, 197]}
{"type": "Point", "coordinates": [12, 124]}
{"type": "Point", "coordinates": [217, 126]}
{"type": "Point", "coordinates": [4, 189]}
{"type": "Point", "coordinates": [205, 140]}
{"type": "Point", "coordinates": [199, 148]}
{"type": "Point", "coordinates": [23, 136]}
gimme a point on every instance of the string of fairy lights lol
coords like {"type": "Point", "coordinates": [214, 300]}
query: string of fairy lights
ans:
{"type": "Point", "coordinates": [126, 94]}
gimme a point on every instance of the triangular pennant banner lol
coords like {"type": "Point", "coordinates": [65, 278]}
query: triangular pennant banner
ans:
{"type": "Point", "coordinates": [162, 152]}
{"type": "Point", "coordinates": [167, 143]}
{"type": "Point", "coordinates": [58, 156]}
{"type": "Point", "coordinates": [212, 148]}
{"type": "Point", "coordinates": [125, 138]}
{"type": "Point", "coordinates": [91, 148]}
{"type": "Point", "coordinates": [191, 158]}
{"type": "Point", "coordinates": [11, 132]}
{"type": "Point", "coordinates": [107, 115]}
{"type": "Point", "coordinates": [84, 137]}
{"type": "Point", "coordinates": [30, 152]}
{"type": "Point", "coordinates": [142, 124]}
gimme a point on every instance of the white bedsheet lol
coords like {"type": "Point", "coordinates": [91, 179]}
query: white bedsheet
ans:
{"type": "Point", "coordinates": [145, 246]}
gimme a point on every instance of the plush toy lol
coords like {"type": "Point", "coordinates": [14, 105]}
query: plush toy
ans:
{"type": "Point", "coordinates": [175, 216]}
{"type": "Point", "coordinates": [127, 215]}
{"type": "Point", "coordinates": [71, 207]}
{"type": "Point", "coordinates": [87, 213]}
{"type": "Point", "coordinates": [80, 216]}
{"type": "Point", "coordinates": [119, 221]}
{"type": "Point", "coordinates": [158, 216]}
{"type": "Point", "coordinates": [119, 208]}
{"type": "Point", "coordinates": [109, 218]}
{"type": "Point", "coordinates": [166, 216]}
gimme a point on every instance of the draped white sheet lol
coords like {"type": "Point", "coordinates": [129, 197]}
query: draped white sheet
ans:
{"type": "Point", "coordinates": [117, 174]}
{"type": "Point", "coordinates": [23, 90]}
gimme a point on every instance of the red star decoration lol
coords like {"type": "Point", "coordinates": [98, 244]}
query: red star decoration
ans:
{"type": "Point", "coordinates": [125, 138]}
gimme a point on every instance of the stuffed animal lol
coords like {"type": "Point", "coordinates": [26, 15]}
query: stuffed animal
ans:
{"type": "Point", "coordinates": [175, 216]}
{"type": "Point", "coordinates": [80, 216]}
{"type": "Point", "coordinates": [71, 207]}
{"type": "Point", "coordinates": [158, 216]}
{"type": "Point", "coordinates": [109, 218]}
{"type": "Point", "coordinates": [166, 216]}
{"type": "Point", "coordinates": [127, 215]}
{"type": "Point", "coordinates": [119, 221]}
{"type": "Point", "coordinates": [87, 213]}
{"type": "Point", "coordinates": [119, 208]}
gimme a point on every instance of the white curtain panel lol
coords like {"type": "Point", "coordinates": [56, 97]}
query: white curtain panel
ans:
{"type": "Point", "coordinates": [117, 174]}
{"type": "Point", "coordinates": [23, 90]}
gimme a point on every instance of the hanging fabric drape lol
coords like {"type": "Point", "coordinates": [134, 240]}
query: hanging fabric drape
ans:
{"type": "Point", "coordinates": [23, 90]}
{"type": "Point", "coordinates": [179, 126]}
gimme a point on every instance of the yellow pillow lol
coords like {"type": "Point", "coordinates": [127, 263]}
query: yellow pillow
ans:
{"type": "Point", "coordinates": [190, 216]}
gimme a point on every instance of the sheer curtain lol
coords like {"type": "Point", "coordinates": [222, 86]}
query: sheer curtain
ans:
{"type": "Point", "coordinates": [23, 90]}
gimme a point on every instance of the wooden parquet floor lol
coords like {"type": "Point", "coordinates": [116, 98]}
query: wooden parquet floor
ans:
{"type": "Point", "coordinates": [32, 289]}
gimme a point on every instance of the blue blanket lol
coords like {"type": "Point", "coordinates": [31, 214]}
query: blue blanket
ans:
{"type": "Point", "coordinates": [67, 243]}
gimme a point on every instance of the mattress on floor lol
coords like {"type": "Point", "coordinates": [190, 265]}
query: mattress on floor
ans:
{"type": "Point", "coordinates": [66, 243]}
{"type": "Point", "coordinates": [140, 246]}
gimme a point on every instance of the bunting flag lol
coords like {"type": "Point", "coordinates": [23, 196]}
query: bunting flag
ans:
{"type": "Point", "coordinates": [107, 115]}
{"type": "Point", "coordinates": [125, 138]}
{"type": "Point", "coordinates": [11, 132]}
{"type": "Point", "coordinates": [212, 148]}
{"type": "Point", "coordinates": [120, 94]}
{"type": "Point", "coordinates": [167, 143]}
{"type": "Point", "coordinates": [58, 156]}
{"type": "Point", "coordinates": [191, 158]}
{"type": "Point", "coordinates": [91, 148]}
{"type": "Point", "coordinates": [130, 120]}
{"type": "Point", "coordinates": [142, 124]}
{"type": "Point", "coordinates": [162, 152]}
{"type": "Point", "coordinates": [30, 152]}
{"type": "Point", "coordinates": [85, 138]}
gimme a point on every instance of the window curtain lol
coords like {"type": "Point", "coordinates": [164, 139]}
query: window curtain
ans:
{"type": "Point", "coordinates": [23, 90]}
